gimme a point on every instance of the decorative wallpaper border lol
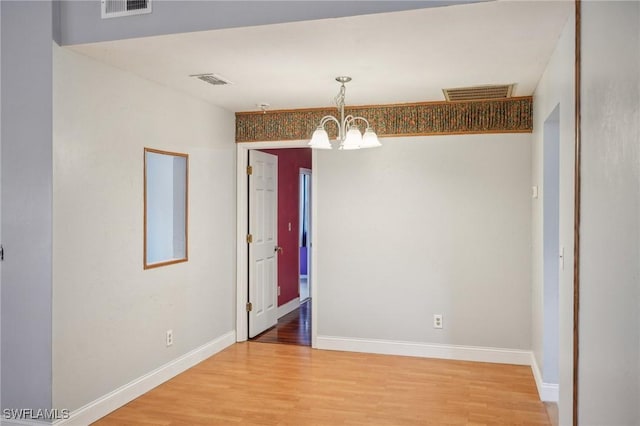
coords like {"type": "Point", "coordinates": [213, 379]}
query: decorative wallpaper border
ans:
{"type": "Point", "coordinates": [513, 115]}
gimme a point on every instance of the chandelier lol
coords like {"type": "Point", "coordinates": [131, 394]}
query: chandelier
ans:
{"type": "Point", "coordinates": [349, 134]}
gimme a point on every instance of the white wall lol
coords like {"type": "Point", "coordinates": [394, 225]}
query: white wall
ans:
{"type": "Point", "coordinates": [551, 242]}
{"type": "Point", "coordinates": [609, 368]}
{"type": "Point", "coordinates": [79, 21]}
{"type": "Point", "coordinates": [110, 315]}
{"type": "Point", "coordinates": [423, 226]}
{"type": "Point", "coordinates": [556, 87]}
{"type": "Point", "coordinates": [26, 204]}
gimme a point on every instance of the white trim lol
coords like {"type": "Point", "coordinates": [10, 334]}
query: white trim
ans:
{"type": "Point", "coordinates": [288, 307]}
{"type": "Point", "coordinates": [242, 255]}
{"type": "Point", "coordinates": [313, 271]}
{"type": "Point", "coordinates": [312, 233]}
{"type": "Point", "coordinates": [550, 392]}
{"type": "Point", "coordinates": [124, 394]}
{"type": "Point", "coordinates": [547, 391]}
{"type": "Point", "coordinates": [8, 422]}
{"type": "Point", "coordinates": [426, 350]}
{"type": "Point", "coordinates": [537, 375]}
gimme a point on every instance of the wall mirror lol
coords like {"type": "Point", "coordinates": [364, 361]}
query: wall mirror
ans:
{"type": "Point", "coordinates": [166, 198]}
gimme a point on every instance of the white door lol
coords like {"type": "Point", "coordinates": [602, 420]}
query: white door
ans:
{"type": "Point", "coordinates": [263, 248]}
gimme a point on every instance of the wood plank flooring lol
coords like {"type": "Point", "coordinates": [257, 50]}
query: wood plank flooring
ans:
{"type": "Point", "coordinates": [552, 412]}
{"type": "Point", "coordinates": [266, 384]}
{"type": "Point", "coordinates": [293, 328]}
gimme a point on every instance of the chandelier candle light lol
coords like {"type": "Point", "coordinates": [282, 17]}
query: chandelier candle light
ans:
{"type": "Point", "coordinates": [349, 135]}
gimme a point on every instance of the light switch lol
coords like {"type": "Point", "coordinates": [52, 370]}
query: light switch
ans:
{"type": "Point", "coordinates": [289, 226]}
{"type": "Point", "coordinates": [534, 191]}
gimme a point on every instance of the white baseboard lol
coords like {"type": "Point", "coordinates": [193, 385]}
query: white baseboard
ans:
{"type": "Point", "coordinates": [119, 397]}
{"type": "Point", "coordinates": [288, 307]}
{"type": "Point", "coordinates": [537, 375]}
{"type": "Point", "coordinates": [547, 391]}
{"type": "Point", "coordinates": [550, 392]}
{"type": "Point", "coordinates": [426, 350]}
{"type": "Point", "coordinates": [12, 422]}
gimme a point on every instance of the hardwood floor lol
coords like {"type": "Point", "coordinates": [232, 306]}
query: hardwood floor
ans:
{"type": "Point", "coordinates": [552, 412]}
{"type": "Point", "coordinates": [265, 384]}
{"type": "Point", "coordinates": [293, 328]}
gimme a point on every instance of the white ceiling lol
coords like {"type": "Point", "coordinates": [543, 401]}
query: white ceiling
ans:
{"type": "Point", "coordinates": [393, 57]}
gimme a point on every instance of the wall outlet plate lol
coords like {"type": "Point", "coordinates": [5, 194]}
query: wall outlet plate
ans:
{"type": "Point", "coordinates": [169, 338]}
{"type": "Point", "coordinates": [437, 321]}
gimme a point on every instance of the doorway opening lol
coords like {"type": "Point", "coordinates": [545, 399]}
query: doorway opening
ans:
{"type": "Point", "coordinates": [553, 256]}
{"type": "Point", "coordinates": [292, 213]}
{"type": "Point", "coordinates": [305, 234]}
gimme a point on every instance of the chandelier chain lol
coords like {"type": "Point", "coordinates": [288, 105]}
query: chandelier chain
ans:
{"type": "Point", "coordinates": [349, 134]}
{"type": "Point", "coordinates": [340, 97]}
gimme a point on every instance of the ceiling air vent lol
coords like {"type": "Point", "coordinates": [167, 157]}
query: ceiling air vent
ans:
{"type": "Point", "coordinates": [118, 8]}
{"type": "Point", "coordinates": [477, 93]}
{"type": "Point", "coordinates": [213, 79]}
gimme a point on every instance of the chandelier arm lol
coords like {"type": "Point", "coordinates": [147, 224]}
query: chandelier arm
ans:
{"type": "Point", "coordinates": [350, 137]}
{"type": "Point", "coordinates": [328, 118]}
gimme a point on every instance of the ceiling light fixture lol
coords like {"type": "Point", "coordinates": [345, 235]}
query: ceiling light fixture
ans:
{"type": "Point", "coordinates": [349, 134]}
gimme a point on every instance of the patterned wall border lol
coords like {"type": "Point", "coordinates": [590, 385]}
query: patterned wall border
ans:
{"type": "Point", "coordinates": [513, 115]}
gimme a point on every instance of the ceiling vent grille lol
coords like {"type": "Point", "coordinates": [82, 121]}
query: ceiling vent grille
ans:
{"type": "Point", "coordinates": [477, 93]}
{"type": "Point", "coordinates": [118, 8]}
{"type": "Point", "coordinates": [212, 79]}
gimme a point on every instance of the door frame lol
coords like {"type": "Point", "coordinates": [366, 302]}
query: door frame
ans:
{"type": "Point", "coordinates": [242, 229]}
{"type": "Point", "coordinates": [307, 172]}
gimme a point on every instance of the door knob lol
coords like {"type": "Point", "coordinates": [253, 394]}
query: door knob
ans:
{"type": "Point", "coordinates": [278, 249]}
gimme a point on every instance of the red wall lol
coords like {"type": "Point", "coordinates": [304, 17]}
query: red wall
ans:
{"type": "Point", "coordinates": [289, 163]}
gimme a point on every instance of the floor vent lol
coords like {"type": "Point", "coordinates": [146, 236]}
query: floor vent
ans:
{"type": "Point", "coordinates": [118, 8]}
{"type": "Point", "coordinates": [477, 93]}
{"type": "Point", "coordinates": [212, 79]}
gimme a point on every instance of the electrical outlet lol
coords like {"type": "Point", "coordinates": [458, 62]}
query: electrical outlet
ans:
{"type": "Point", "coordinates": [437, 321]}
{"type": "Point", "coordinates": [169, 338]}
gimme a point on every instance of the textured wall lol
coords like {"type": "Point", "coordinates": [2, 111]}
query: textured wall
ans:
{"type": "Point", "coordinates": [110, 316]}
{"type": "Point", "coordinates": [26, 204]}
{"type": "Point", "coordinates": [421, 226]}
{"type": "Point", "coordinates": [555, 90]}
{"type": "Point", "coordinates": [80, 21]}
{"type": "Point", "coordinates": [609, 367]}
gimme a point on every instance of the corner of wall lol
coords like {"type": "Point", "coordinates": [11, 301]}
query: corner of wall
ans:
{"type": "Point", "coordinates": [556, 87]}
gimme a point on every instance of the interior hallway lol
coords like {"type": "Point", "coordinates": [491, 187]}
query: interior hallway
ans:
{"type": "Point", "coordinates": [265, 384]}
{"type": "Point", "coordinates": [293, 328]}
